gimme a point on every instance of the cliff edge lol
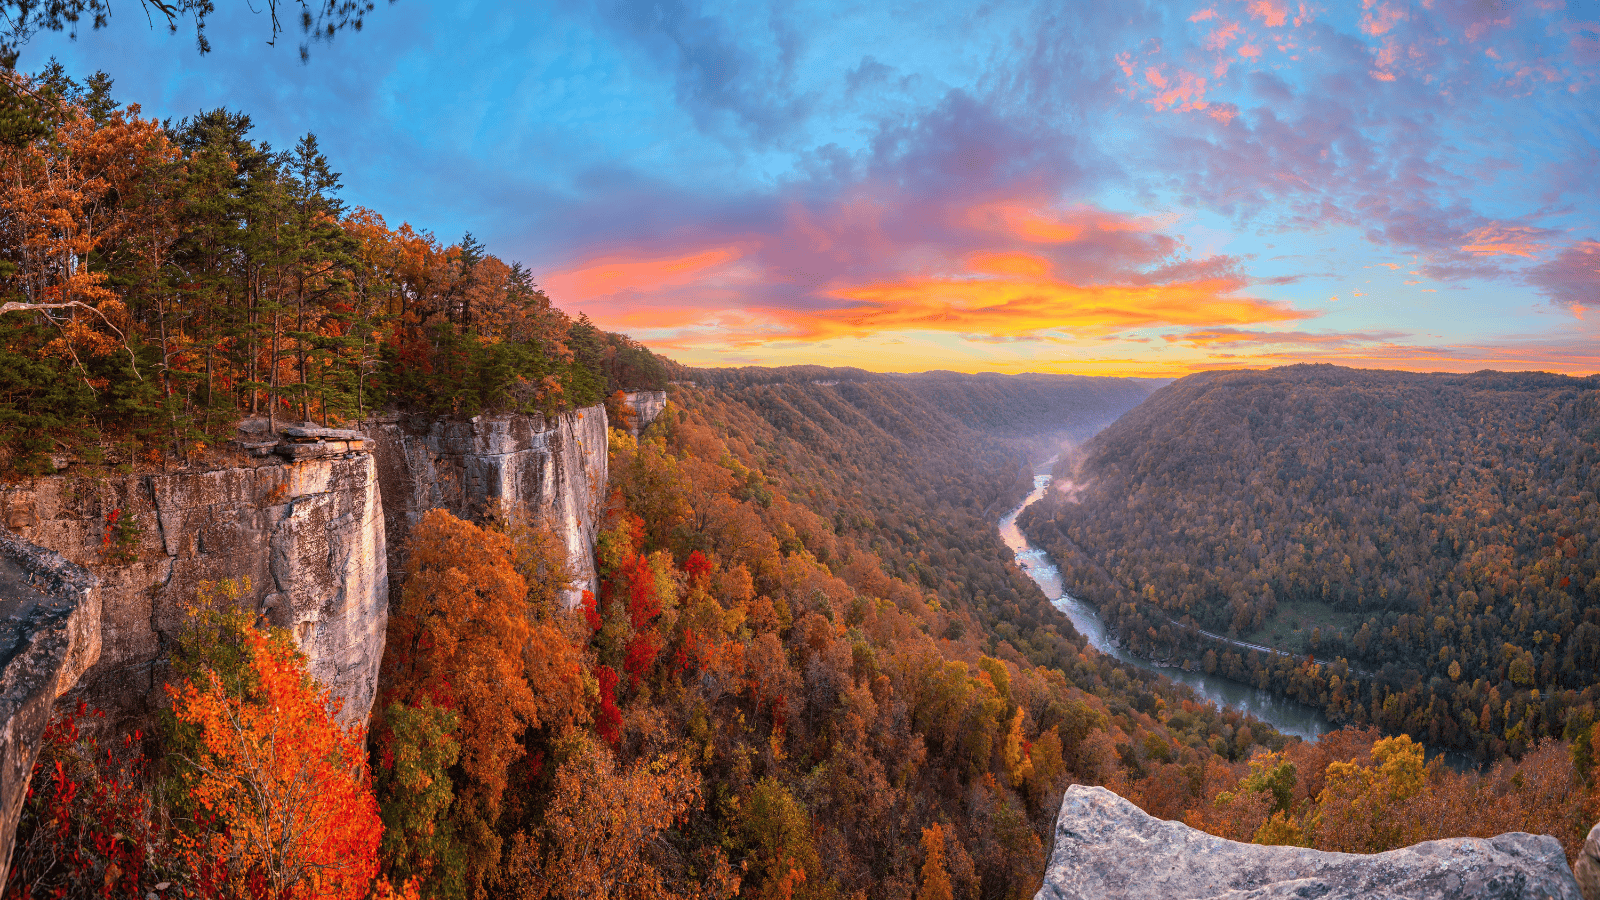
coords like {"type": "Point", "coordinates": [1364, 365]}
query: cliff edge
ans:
{"type": "Point", "coordinates": [1108, 849]}
{"type": "Point", "coordinates": [49, 635]}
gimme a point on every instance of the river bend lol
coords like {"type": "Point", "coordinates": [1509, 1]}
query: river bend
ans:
{"type": "Point", "coordinates": [1286, 715]}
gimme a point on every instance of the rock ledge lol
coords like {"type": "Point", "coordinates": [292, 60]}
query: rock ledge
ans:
{"type": "Point", "coordinates": [1107, 849]}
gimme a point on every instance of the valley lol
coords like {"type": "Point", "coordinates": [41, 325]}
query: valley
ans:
{"type": "Point", "coordinates": [1286, 716]}
{"type": "Point", "coordinates": [1432, 541]}
{"type": "Point", "coordinates": [342, 560]}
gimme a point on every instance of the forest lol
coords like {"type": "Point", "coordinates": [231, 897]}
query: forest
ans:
{"type": "Point", "coordinates": [811, 668]}
{"type": "Point", "coordinates": [162, 279]}
{"type": "Point", "coordinates": [1426, 543]}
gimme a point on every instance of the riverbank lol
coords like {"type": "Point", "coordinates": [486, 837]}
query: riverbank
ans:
{"type": "Point", "coordinates": [1288, 716]}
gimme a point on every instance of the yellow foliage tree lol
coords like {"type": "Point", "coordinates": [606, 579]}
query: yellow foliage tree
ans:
{"type": "Point", "coordinates": [935, 880]}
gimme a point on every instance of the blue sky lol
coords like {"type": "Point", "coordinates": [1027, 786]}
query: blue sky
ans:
{"type": "Point", "coordinates": [1145, 188]}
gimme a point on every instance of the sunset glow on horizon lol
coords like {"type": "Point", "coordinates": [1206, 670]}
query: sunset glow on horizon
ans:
{"type": "Point", "coordinates": [1149, 190]}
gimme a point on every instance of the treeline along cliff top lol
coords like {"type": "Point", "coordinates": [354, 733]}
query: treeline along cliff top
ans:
{"type": "Point", "coordinates": [165, 278]}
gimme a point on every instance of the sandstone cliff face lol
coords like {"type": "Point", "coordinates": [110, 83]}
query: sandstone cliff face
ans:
{"type": "Point", "coordinates": [1108, 849]}
{"type": "Point", "coordinates": [556, 467]}
{"type": "Point", "coordinates": [49, 634]}
{"type": "Point", "coordinates": [648, 406]}
{"type": "Point", "coordinates": [308, 534]}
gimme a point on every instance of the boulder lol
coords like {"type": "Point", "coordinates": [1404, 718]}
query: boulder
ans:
{"type": "Point", "coordinates": [1108, 849]}
{"type": "Point", "coordinates": [1587, 868]}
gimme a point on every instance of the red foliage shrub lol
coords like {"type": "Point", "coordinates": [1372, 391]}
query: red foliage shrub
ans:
{"type": "Point", "coordinates": [699, 569]}
{"type": "Point", "coordinates": [641, 655]}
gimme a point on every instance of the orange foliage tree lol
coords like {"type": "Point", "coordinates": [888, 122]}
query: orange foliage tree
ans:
{"type": "Point", "coordinates": [472, 638]}
{"type": "Point", "coordinates": [279, 788]}
{"type": "Point", "coordinates": [603, 830]}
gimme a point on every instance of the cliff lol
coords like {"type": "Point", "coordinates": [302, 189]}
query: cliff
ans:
{"type": "Point", "coordinates": [306, 532]}
{"type": "Point", "coordinates": [1106, 849]}
{"type": "Point", "coordinates": [49, 634]}
{"type": "Point", "coordinates": [314, 519]}
{"type": "Point", "coordinates": [647, 406]}
{"type": "Point", "coordinates": [556, 467]}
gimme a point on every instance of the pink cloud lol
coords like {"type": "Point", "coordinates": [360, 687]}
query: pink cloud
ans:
{"type": "Point", "coordinates": [1221, 36]}
{"type": "Point", "coordinates": [1272, 13]}
{"type": "Point", "coordinates": [1572, 278]}
{"type": "Point", "coordinates": [1379, 18]}
{"type": "Point", "coordinates": [1184, 95]}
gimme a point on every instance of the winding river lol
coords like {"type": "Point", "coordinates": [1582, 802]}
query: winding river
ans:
{"type": "Point", "coordinates": [1281, 713]}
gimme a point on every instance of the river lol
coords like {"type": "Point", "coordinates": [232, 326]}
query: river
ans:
{"type": "Point", "coordinates": [1280, 712]}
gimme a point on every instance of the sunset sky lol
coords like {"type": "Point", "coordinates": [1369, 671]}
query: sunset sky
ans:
{"type": "Point", "coordinates": [1110, 188]}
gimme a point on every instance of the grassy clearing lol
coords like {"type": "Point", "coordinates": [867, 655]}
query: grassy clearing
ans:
{"type": "Point", "coordinates": [1289, 626]}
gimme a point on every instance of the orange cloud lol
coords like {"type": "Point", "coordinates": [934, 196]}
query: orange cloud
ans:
{"type": "Point", "coordinates": [1020, 264]}
{"type": "Point", "coordinates": [1573, 357]}
{"type": "Point", "coordinates": [1507, 240]}
{"type": "Point", "coordinates": [1022, 305]}
{"type": "Point", "coordinates": [1017, 279]}
{"type": "Point", "coordinates": [607, 276]}
{"type": "Point", "coordinates": [1030, 224]}
{"type": "Point", "coordinates": [1211, 337]}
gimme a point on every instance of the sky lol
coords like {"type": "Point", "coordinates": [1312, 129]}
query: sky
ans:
{"type": "Point", "coordinates": [1132, 188]}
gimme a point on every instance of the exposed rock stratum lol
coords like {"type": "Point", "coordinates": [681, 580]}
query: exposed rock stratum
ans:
{"type": "Point", "coordinates": [1108, 849]}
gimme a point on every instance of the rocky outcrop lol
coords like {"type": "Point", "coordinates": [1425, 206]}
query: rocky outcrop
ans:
{"type": "Point", "coordinates": [312, 518]}
{"type": "Point", "coordinates": [556, 468]}
{"type": "Point", "coordinates": [647, 406]}
{"type": "Point", "coordinates": [308, 534]}
{"type": "Point", "coordinates": [1107, 849]}
{"type": "Point", "coordinates": [1587, 868]}
{"type": "Point", "coordinates": [49, 635]}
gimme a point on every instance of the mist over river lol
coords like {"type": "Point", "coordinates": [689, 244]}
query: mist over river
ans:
{"type": "Point", "coordinates": [1282, 713]}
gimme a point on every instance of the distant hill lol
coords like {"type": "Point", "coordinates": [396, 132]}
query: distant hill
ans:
{"type": "Point", "coordinates": [1075, 406]}
{"type": "Point", "coordinates": [1438, 531]}
{"type": "Point", "coordinates": [1027, 405]}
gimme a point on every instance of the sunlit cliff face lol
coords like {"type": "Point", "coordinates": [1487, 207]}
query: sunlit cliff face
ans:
{"type": "Point", "coordinates": [1139, 188]}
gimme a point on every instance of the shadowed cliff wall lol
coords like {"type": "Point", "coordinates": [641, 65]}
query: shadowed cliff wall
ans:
{"type": "Point", "coordinates": [556, 467]}
{"type": "Point", "coordinates": [49, 634]}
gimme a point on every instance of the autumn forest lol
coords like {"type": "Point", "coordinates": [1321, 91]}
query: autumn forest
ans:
{"type": "Point", "coordinates": [810, 667]}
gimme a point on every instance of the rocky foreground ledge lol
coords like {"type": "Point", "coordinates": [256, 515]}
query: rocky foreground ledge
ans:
{"type": "Point", "coordinates": [1108, 849]}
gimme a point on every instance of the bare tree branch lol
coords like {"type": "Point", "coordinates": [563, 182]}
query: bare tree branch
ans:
{"type": "Point", "coordinates": [15, 306]}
